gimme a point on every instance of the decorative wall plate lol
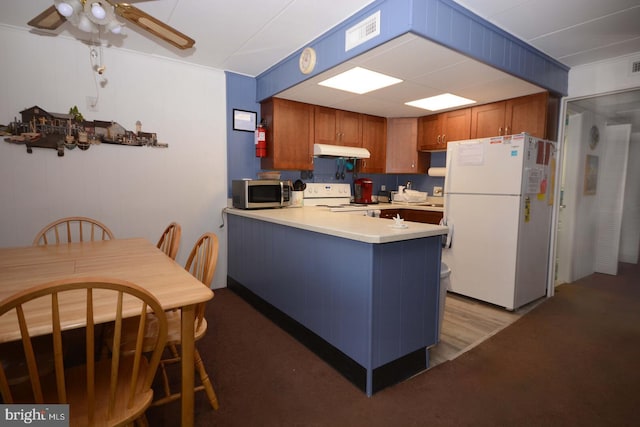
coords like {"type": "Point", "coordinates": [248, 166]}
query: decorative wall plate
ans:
{"type": "Point", "coordinates": [307, 60]}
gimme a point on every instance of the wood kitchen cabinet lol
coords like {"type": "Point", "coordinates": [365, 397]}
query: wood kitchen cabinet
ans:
{"type": "Point", "coordinates": [337, 127]}
{"type": "Point", "coordinates": [289, 134]}
{"type": "Point", "coordinates": [402, 147]}
{"type": "Point", "coordinates": [374, 139]}
{"type": "Point", "coordinates": [436, 130]}
{"type": "Point", "coordinates": [523, 114]}
{"type": "Point", "coordinates": [414, 215]}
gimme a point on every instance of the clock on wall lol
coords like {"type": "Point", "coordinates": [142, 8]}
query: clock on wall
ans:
{"type": "Point", "coordinates": [307, 60]}
{"type": "Point", "coordinates": [594, 137]}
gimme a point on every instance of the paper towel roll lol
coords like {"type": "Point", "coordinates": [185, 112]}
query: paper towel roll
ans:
{"type": "Point", "coordinates": [437, 171]}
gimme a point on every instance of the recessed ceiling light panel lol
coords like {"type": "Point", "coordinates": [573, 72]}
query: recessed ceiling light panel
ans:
{"type": "Point", "coordinates": [360, 80]}
{"type": "Point", "coordinates": [440, 102]}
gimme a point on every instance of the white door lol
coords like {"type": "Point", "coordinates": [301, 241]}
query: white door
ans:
{"type": "Point", "coordinates": [612, 172]}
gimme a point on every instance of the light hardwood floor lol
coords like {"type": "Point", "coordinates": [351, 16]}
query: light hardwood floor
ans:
{"type": "Point", "coordinates": [468, 322]}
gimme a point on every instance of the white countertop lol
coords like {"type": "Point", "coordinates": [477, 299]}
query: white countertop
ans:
{"type": "Point", "coordinates": [355, 227]}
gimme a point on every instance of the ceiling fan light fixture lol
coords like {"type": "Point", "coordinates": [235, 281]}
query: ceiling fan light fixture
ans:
{"type": "Point", "coordinates": [115, 27]}
{"type": "Point", "coordinates": [85, 24]}
{"type": "Point", "coordinates": [67, 8]}
{"type": "Point", "coordinates": [98, 11]}
{"type": "Point", "coordinates": [94, 15]}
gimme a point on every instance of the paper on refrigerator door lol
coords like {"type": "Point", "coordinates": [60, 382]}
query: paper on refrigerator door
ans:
{"type": "Point", "coordinates": [534, 178]}
{"type": "Point", "coordinates": [471, 154]}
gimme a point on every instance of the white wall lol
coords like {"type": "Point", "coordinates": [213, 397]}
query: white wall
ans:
{"type": "Point", "coordinates": [136, 191]}
{"type": "Point", "coordinates": [604, 76]}
{"type": "Point", "coordinates": [630, 235]}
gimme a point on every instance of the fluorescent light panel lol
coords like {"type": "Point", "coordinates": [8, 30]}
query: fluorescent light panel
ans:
{"type": "Point", "coordinates": [359, 80]}
{"type": "Point", "coordinates": [440, 102]}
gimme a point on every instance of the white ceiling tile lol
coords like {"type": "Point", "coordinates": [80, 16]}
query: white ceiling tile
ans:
{"type": "Point", "coordinates": [490, 8]}
{"type": "Point", "coordinates": [599, 33]}
{"type": "Point", "coordinates": [602, 53]}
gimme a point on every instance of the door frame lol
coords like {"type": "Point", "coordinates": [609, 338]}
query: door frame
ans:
{"type": "Point", "coordinates": [562, 124]}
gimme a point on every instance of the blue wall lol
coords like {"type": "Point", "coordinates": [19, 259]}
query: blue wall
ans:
{"type": "Point", "coordinates": [325, 171]}
{"type": "Point", "coordinates": [241, 159]}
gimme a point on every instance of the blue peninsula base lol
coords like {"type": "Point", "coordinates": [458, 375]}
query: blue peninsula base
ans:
{"type": "Point", "coordinates": [369, 310]}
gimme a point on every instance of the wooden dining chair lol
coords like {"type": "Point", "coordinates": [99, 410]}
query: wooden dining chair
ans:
{"type": "Point", "coordinates": [202, 265]}
{"type": "Point", "coordinates": [72, 229]}
{"type": "Point", "coordinates": [170, 240]}
{"type": "Point", "coordinates": [108, 392]}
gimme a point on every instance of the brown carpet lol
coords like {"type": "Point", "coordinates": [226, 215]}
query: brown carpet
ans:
{"type": "Point", "coordinates": [572, 361]}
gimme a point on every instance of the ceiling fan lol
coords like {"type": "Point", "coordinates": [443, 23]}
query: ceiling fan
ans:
{"type": "Point", "coordinates": [89, 15]}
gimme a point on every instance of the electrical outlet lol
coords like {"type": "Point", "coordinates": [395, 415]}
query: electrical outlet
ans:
{"type": "Point", "coordinates": [92, 103]}
{"type": "Point", "coordinates": [437, 191]}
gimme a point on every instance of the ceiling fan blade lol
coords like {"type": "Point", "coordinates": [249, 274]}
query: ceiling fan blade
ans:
{"type": "Point", "coordinates": [50, 19]}
{"type": "Point", "coordinates": [154, 26]}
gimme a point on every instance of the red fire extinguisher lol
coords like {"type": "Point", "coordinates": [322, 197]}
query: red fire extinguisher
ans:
{"type": "Point", "coordinates": [261, 140]}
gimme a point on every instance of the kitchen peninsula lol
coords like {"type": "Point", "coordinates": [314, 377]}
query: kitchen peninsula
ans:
{"type": "Point", "coordinates": [360, 293]}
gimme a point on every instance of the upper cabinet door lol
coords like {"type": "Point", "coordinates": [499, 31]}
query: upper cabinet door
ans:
{"type": "Point", "coordinates": [517, 115]}
{"type": "Point", "coordinates": [337, 127]}
{"type": "Point", "coordinates": [527, 114]}
{"type": "Point", "coordinates": [349, 126]}
{"type": "Point", "coordinates": [325, 125]}
{"type": "Point", "coordinates": [435, 131]}
{"type": "Point", "coordinates": [488, 120]}
{"type": "Point", "coordinates": [430, 133]}
{"type": "Point", "coordinates": [456, 125]}
{"type": "Point", "coordinates": [374, 139]}
{"type": "Point", "coordinates": [402, 147]}
{"type": "Point", "coordinates": [289, 134]}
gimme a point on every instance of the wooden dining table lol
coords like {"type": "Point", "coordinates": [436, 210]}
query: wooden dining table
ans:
{"type": "Point", "coordinates": [136, 260]}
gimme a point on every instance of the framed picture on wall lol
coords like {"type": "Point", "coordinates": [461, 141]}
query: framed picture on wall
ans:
{"type": "Point", "coordinates": [590, 175]}
{"type": "Point", "coordinates": [244, 120]}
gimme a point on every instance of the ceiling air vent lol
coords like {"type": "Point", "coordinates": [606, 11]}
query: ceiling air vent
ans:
{"type": "Point", "coordinates": [364, 30]}
{"type": "Point", "coordinates": [635, 67]}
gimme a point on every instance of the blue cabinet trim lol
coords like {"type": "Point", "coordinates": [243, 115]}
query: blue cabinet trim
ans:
{"type": "Point", "coordinates": [441, 21]}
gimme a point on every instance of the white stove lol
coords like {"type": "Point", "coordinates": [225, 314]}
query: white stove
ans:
{"type": "Point", "coordinates": [337, 198]}
{"type": "Point", "coordinates": [332, 194]}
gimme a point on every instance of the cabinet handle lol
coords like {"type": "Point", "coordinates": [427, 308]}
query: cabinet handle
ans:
{"type": "Point", "coordinates": [499, 131]}
{"type": "Point", "coordinates": [506, 130]}
{"type": "Point", "coordinates": [444, 139]}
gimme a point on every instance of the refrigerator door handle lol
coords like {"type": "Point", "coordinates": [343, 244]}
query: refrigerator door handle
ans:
{"type": "Point", "coordinates": [447, 238]}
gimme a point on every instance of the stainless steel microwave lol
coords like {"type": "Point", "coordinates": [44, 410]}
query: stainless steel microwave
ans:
{"type": "Point", "coordinates": [260, 193]}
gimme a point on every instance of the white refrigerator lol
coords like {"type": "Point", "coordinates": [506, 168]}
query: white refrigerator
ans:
{"type": "Point", "coordinates": [498, 206]}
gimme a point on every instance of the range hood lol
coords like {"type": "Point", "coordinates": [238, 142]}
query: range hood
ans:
{"type": "Point", "coordinates": [328, 150]}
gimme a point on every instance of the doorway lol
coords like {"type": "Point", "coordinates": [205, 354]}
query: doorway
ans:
{"type": "Point", "coordinates": [598, 218]}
